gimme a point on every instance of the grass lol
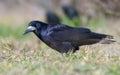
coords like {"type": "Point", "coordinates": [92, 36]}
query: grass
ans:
{"type": "Point", "coordinates": [8, 30]}
{"type": "Point", "coordinates": [49, 62]}
{"type": "Point", "coordinates": [27, 56]}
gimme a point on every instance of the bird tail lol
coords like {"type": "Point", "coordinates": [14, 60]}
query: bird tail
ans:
{"type": "Point", "coordinates": [105, 39]}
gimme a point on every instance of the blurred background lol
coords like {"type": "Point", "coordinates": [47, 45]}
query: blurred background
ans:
{"type": "Point", "coordinates": [15, 14]}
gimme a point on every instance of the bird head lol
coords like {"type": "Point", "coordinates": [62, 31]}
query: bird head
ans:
{"type": "Point", "coordinates": [33, 26]}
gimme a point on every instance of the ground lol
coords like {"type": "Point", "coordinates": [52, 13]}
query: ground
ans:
{"type": "Point", "coordinates": [28, 56]}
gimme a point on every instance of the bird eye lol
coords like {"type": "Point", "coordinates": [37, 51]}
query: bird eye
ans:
{"type": "Point", "coordinates": [38, 25]}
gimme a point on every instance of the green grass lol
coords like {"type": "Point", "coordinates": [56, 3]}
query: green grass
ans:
{"type": "Point", "coordinates": [75, 22]}
{"type": "Point", "coordinates": [11, 31]}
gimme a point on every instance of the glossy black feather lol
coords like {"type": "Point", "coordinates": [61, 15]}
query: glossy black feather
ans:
{"type": "Point", "coordinates": [64, 38]}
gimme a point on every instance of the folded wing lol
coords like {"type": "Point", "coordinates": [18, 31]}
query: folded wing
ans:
{"type": "Point", "coordinates": [79, 36]}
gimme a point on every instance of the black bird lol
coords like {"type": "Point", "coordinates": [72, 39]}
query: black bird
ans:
{"type": "Point", "coordinates": [70, 11]}
{"type": "Point", "coordinates": [52, 18]}
{"type": "Point", "coordinates": [64, 38]}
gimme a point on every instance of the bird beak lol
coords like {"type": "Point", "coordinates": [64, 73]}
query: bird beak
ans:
{"type": "Point", "coordinates": [29, 29]}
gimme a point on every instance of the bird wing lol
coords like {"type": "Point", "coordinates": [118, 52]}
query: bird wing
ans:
{"type": "Point", "coordinates": [65, 33]}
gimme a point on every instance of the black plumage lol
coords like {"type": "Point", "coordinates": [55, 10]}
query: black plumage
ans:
{"type": "Point", "coordinates": [52, 18]}
{"type": "Point", "coordinates": [64, 38]}
{"type": "Point", "coordinates": [70, 11]}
